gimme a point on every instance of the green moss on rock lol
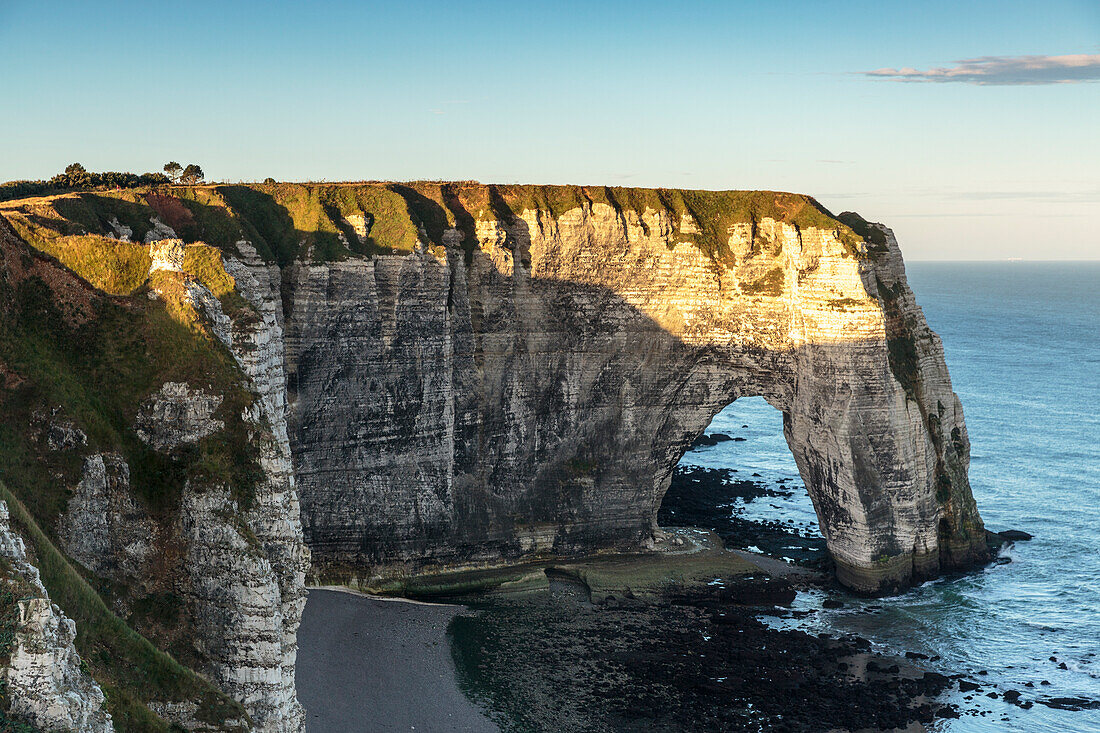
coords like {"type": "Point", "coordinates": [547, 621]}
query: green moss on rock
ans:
{"type": "Point", "coordinates": [770, 284]}
{"type": "Point", "coordinates": [870, 233]}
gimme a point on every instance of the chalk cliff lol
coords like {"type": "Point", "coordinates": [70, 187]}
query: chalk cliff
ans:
{"type": "Point", "coordinates": [43, 677]}
{"type": "Point", "coordinates": [260, 642]}
{"type": "Point", "coordinates": [533, 393]}
{"type": "Point", "coordinates": [445, 376]}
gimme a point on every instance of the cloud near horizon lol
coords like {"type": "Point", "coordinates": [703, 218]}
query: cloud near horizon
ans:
{"type": "Point", "coordinates": [1004, 70]}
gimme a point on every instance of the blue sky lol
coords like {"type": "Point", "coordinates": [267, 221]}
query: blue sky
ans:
{"type": "Point", "coordinates": [687, 94]}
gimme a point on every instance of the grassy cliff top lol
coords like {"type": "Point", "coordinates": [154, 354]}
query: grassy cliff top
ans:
{"type": "Point", "coordinates": [319, 221]}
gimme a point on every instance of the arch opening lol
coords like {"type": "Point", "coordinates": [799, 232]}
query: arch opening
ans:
{"type": "Point", "coordinates": [739, 479]}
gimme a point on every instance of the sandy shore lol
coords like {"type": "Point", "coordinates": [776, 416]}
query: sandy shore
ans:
{"type": "Point", "coordinates": [379, 665]}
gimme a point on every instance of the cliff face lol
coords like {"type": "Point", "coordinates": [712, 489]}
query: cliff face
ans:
{"type": "Point", "coordinates": [43, 677]}
{"type": "Point", "coordinates": [533, 393]}
{"type": "Point", "coordinates": [146, 430]}
{"type": "Point", "coordinates": [446, 375]}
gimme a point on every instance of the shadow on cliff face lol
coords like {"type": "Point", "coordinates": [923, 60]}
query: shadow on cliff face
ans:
{"type": "Point", "coordinates": [491, 409]}
{"type": "Point", "coordinates": [961, 536]}
{"type": "Point", "coordinates": [534, 395]}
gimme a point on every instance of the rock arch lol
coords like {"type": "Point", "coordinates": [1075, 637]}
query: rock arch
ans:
{"type": "Point", "coordinates": [534, 396]}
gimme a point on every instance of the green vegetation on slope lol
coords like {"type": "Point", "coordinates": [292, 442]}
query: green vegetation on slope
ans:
{"type": "Point", "coordinates": [131, 671]}
{"type": "Point", "coordinates": [100, 369]}
{"type": "Point", "coordinates": [310, 221]}
{"type": "Point", "coordinates": [870, 233]}
{"type": "Point", "coordinates": [118, 268]}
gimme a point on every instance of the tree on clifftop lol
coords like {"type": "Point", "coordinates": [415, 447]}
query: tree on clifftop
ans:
{"type": "Point", "coordinates": [75, 176]}
{"type": "Point", "coordinates": [174, 171]}
{"type": "Point", "coordinates": [192, 174]}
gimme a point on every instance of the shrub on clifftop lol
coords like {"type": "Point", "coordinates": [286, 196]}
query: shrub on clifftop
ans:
{"type": "Point", "coordinates": [192, 174]}
{"type": "Point", "coordinates": [174, 171]}
{"type": "Point", "coordinates": [77, 177]}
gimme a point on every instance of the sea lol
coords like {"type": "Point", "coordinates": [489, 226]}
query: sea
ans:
{"type": "Point", "coordinates": [1022, 342]}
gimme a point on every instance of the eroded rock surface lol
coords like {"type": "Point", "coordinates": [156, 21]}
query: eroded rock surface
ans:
{"type": "Point", "coordinates": [43, 676]}
{"type": "Point", "coordinates": [535, 396]}
{"type": "Point", "coordinates": [59, 432]}
{"type": "Point", "coordinates": [105, 529]}
{"type": "Point", "coordinates": [265, 586]}
{"type": "Point", "coordinates": [120, 231]}
{"type": "Point", "coordinates": [178, 415]}
{"type": "Point", "coordinates": [159, 232]}
{"type": "Point", "coordinates": [237, 604]}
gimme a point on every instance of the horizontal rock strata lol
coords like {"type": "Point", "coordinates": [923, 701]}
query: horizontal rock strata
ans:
{"type": "Point", "coordinates": [534, 395]}
{"type": "Point", "coordinates": [457, 375]}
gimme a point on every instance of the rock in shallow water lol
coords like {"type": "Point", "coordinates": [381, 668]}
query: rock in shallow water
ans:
{"type": "Point", "coordinates": [709, 441]}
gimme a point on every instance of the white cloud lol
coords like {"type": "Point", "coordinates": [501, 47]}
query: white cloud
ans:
{"type": "Point", "coordinates": [1004, 70]}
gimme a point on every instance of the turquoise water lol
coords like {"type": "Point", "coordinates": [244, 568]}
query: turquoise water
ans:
{"type": "Point", "coordinates": [1023, 347]}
